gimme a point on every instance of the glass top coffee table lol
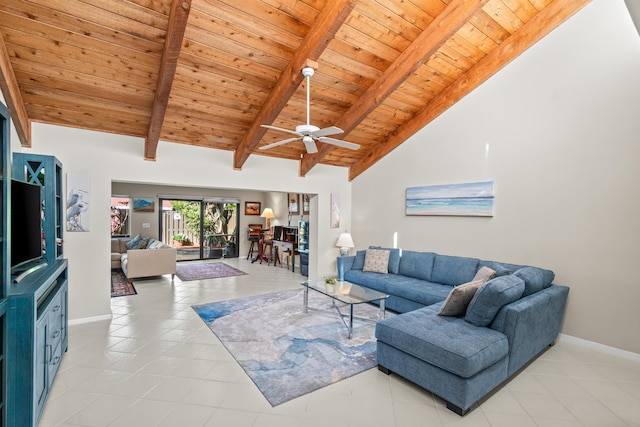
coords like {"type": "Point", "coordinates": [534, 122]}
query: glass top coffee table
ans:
{"type": "Point", "coordinates": [346, 293]}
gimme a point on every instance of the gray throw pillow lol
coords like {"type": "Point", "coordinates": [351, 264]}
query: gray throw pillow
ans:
{"type": "Point", "coordinates": [485, 274]}
{"type": "Point", "coordinates": [459, 298]}
{"type": "Point", "coordinates": [491, 297]}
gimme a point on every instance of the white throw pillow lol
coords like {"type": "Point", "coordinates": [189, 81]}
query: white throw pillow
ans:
{"type": "Point", "coordinates": [376, 261]}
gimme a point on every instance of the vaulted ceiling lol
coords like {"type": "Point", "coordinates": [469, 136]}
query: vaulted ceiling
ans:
{"type": "Point", "coordinates": [211, 72]}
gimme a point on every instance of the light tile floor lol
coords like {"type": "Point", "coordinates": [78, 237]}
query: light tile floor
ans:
{"type": "Point", "coordinates": [157, 364]}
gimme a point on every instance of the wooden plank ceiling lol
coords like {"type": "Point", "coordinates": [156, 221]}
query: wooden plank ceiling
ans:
{"type": "Point", "coordinates": [210, 72]}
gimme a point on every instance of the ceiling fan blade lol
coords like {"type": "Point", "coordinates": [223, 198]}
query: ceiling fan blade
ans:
{"type": "Point", "coordinates": [340, 143]}
{"type": "Point", "coordinates": [331, 130]}
{"type": "Point", "coordinates": [280, 129]}
{"type": "Point", "coordinates": [310, 145]}
{"type": "Point", "coordinates": [275, 144]}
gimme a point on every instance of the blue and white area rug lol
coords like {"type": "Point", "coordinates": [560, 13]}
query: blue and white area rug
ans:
{"type": "Point", "coordinates": [286, 352]}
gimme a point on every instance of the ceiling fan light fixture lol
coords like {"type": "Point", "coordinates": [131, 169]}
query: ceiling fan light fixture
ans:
{"type": "Point", "coordinates": [309, 144]}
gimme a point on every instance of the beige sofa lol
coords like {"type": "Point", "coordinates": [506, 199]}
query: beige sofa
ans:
{"type": "Point", "coordinates": [137, 263]}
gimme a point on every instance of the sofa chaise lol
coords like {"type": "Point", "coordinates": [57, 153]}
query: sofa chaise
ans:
{"type": "Point", "coordinates": [466, 326]}
{"type": "Point", "coordinates": [143, 257]}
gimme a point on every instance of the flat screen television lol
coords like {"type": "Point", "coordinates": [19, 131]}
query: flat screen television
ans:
{"type": "Point", "coordinates": [26, 223]}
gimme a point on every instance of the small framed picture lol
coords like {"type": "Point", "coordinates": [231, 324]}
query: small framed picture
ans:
{"type": "Point", "coordinates": [143, 204]}
{"type": "Point", "coordinates": [305, 204]}
{"type": "Point", "coordinates": [294, 203]}
{"type": "Point", "coordinates": [335, 210]}
{"type": "Point", "coordinates": [252, 208]}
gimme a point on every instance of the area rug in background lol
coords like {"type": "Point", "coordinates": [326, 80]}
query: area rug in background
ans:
{"type": "Point", "coordinates": [286, 352]}
{"type": "Point", "coordinates": [206, 270]}
{"type": "Point", "coordinates": [120, 287]}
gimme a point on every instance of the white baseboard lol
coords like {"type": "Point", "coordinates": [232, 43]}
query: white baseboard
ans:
{"type": "Point", "coordinates": [90, 319]}
{"type": "Point", "coordinates": [600, 347]}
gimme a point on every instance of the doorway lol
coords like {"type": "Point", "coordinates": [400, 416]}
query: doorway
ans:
{"type": "Point", "coordinates": [200, 229]}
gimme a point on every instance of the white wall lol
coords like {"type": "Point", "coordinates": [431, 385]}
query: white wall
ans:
{"type": "Point", "coordinates": [561, 123]}
{"type": "Point", "coordinates": [558, 132]}
{"type": "Point", "coordinates": [106, 158]}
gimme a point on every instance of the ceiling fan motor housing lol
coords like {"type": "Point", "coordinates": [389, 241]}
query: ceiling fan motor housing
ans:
{"type": "Point", "coordinates": [306, 129]}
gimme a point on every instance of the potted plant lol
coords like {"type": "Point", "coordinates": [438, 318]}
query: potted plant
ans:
{"type": "Point", "coordinates": [180, 240]}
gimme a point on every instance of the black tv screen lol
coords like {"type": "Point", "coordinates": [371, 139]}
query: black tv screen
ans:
{"type": "Point", "coordinates": [26, 222]}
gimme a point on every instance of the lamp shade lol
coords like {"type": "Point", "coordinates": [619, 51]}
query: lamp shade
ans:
{"type": "Point", "coordinates": [267, 213]}
{"type": "Point", "coordinates": [345, 242]}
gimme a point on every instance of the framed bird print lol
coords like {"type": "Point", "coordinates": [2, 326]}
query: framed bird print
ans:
{"type": "Point", "coordinates": [78, 202]}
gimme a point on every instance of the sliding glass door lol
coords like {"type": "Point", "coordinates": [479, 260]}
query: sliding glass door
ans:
{"type": "Point", "coordinates": [200, 229]}
{"type": "Point", "coordinates": [220, 229]}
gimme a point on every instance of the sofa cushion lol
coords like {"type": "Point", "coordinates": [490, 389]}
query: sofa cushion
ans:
{"type": "Point", "coordinates": [534, 279]}
{"type": "Point", "coordinates": [115, 258]}
{"type": "Point", "coordinates": [416, 290]}
{"type": "Point", "coordinates": [449, 343]}
{"type": "Point", "coordinates": [115, 246]}
{"type": "Point", "coordinates": [376, 261]}
{"type": "Point", "coordinates": [453, 270]}
{"type": "Point", "coordinates": [420, 291]}
{"type": "Point", "coordinates": [490, 298]}
{"type": "Point", "coordinates": [416, 264]}
{"type": "Point", "coordinates": [500, 268]}
{"type": "Point", "coordinates": [394, 258]}
{"type": "Point", "coordinates": [459, 298]}
{"type": "Point", "coordinates": [358, 262]}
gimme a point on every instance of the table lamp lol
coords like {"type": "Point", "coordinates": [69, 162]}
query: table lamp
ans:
{"type": "Point", "coordinates": [268, 214]}
{"type": "Point", "coordinates": [345, 242]}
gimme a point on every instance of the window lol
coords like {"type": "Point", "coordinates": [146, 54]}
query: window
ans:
{"type": "Point", "coordinates": [120, 216]}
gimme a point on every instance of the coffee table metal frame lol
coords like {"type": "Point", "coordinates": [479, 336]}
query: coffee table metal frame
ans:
{"type": "Point", "coordinates": [347, 293]}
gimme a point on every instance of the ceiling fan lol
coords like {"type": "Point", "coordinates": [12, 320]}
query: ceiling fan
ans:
{"type": "Point", "coordinates": [308, 133]}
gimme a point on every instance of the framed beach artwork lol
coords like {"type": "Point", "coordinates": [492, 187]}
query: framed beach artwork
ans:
{"type": "Point", "coordinates": [470, 199]}
{"type": "Point", "coordinates": [143, 204]}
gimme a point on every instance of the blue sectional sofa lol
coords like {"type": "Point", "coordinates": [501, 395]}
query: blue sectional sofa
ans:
{"type": "Point", "coordinates": [496, 329]}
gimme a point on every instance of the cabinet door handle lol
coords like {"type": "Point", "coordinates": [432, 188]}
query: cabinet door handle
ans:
{"type": "Point", "coordinates": [56, 334]}
{"type": "Point", "coordinates": [49, 354]}
{"type": "Point", "coordinates": [56, 360]}
{"type": "Point", "coordinates": [55, 308]}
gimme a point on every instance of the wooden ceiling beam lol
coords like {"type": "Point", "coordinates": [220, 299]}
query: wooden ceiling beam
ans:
{"type": "Point", "coordinates": [428, 42]}
{"type": "Point", "coordinates": [175, 34]}
{"type": "Point", "coordinates": [13, 97]}
{"type": "Point", "coordinates": [534, 30]}
{"type": "Point", "coordinates": [328, 22]}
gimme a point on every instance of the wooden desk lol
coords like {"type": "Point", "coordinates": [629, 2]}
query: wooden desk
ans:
{"type": "Point", "coordinates": [290, 246]}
